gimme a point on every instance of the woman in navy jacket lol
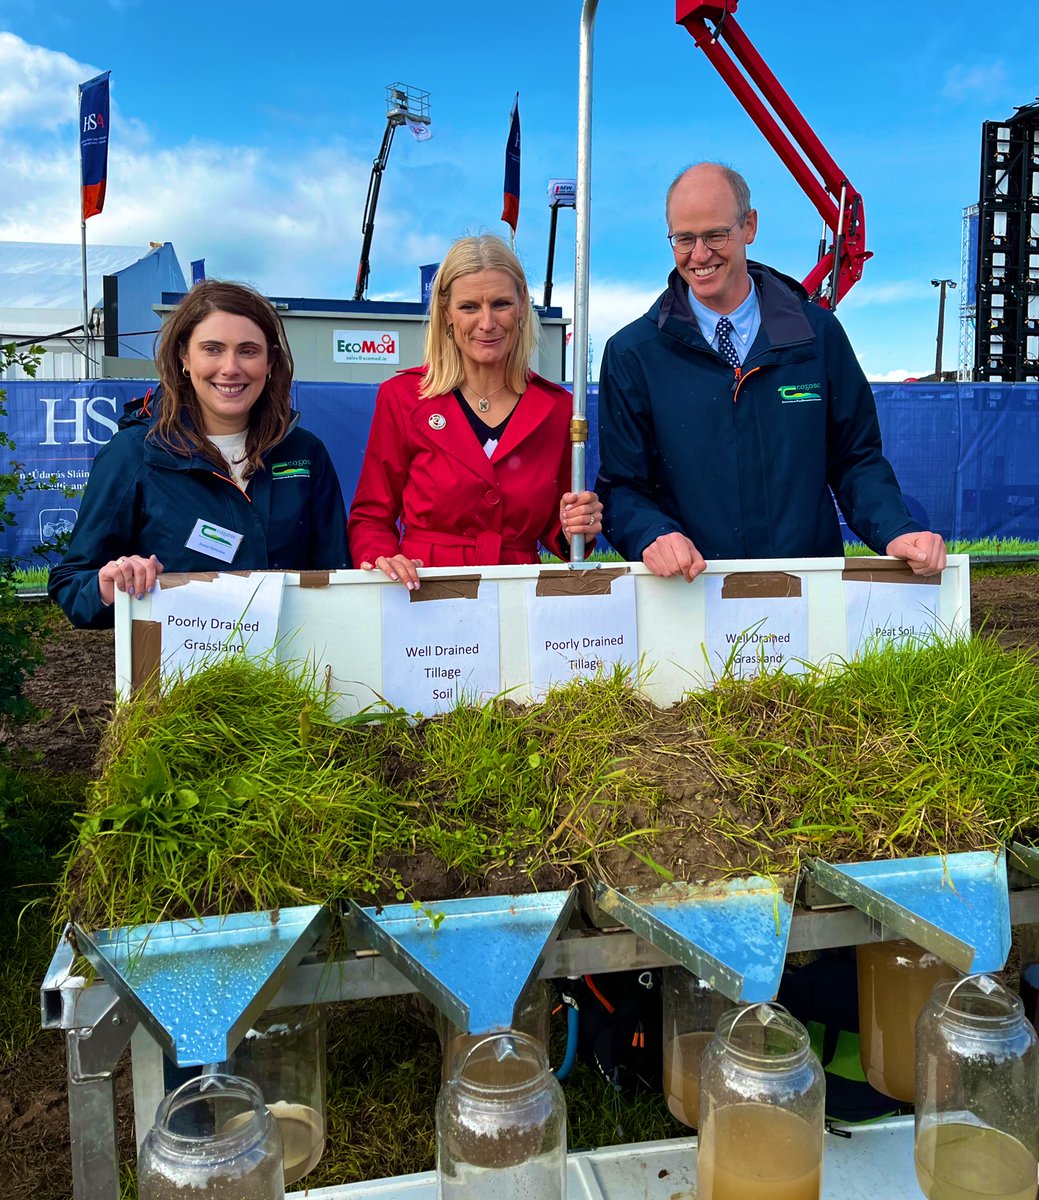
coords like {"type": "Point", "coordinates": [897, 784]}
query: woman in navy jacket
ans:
{"type": "Point", "coordinates": [212, 472]}
{"type": "Point", "coordinates": [468, 457]}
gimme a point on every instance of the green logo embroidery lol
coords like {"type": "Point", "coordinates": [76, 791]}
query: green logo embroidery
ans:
{"type": "Point", "coordinates": [300, 469]}
{"type": "Point", "coordinates": [799, 393]}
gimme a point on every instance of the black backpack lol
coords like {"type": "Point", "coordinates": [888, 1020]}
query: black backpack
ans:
{"type": "Point", "coordinates": [620, 1027]}
{"type": "Point", "coordinates": [823, 995]}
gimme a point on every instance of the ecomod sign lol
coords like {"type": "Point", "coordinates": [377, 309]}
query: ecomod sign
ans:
{"type": "Point", "coordinates": [365, 346]}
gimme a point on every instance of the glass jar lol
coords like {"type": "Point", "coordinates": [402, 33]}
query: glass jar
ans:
{"type": "Point", "coordinates": [212, 1137]}
{"type": "Point", "coordinates": [1028, 940]}
{"type": "Point", "coordinates": [692, 1009]}
{"type": "Point", "coordinates": [761, 1109]}
{"type": "Point", "coordinates": [284, 1055]}
{"type": "Point", "coordinates": [895, 982]}
{"type": "Point", "coordinates": [532, 1018]}
{"type": "Point", "coordinates": [977, 1096]}
{"type": "Point", "coordinates": [501, 1123]}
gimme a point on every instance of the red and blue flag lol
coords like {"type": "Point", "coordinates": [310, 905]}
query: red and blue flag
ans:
{"type": "Point", "coordinates": [93, 142]}
{"type": "Point", "coordinates": [510, 209]}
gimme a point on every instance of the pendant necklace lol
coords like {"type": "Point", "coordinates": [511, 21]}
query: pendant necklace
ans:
{"type": "Point", "coordinates": [484, 402]}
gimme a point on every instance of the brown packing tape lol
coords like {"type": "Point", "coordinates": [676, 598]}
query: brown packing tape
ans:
{"type": "Point", "coordinates": [314, 579]}
{"type": "Point", "coordinates": [863, 569]}
{"type": "Point", "coordinates": [447, 587]}
{"type": "Point", "coordinates": [171, 579]}
{"type": "Point", "coordinates": [145, 654]}
{"type": "Point", "coordinates": [556, 582]}
{"type": "Point", "coordinates": [761, 585]}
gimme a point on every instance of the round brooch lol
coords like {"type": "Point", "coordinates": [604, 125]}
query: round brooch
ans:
{"type": "Point", "coordinates": [437, 421]}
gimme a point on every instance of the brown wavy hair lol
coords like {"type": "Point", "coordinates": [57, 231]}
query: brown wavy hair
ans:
{"type": "Point", "coordinates": [180, 422]}
{"type": "Point", "coordinates": [443, 359]}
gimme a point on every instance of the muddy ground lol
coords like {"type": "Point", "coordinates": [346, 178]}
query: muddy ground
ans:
{"type": "Point", "coordinates": [74, 690]}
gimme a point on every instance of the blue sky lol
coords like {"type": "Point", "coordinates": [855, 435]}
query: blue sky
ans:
{"type": "Point", "coordinates": [245, 134]}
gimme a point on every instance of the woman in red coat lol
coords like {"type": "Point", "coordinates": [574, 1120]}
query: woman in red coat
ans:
{"type": "Point", "coordinates": [468, 458]}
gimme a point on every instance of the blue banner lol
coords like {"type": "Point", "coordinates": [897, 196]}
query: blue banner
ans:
{"type": "Point", "coordinates": [93, 142]}
{"type": "Point", "coordinates": [510, 206]}
{"type": "Point", "coordinates": [965, 454]}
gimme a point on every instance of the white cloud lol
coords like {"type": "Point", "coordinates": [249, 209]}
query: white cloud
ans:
{"type": "Point", "coordinates": [897, 376]}
{"type": "Point", "coordinates": [38, 87]}
{"type": "Point", "coordinates": [290, 226]}
{"type": "Point", "coordinates": [963, 82]}
{"type": "Point", "coordinates": [612, 304]}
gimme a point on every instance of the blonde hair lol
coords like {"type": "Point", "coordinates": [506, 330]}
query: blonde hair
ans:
{"type": "Point", "coordinates": [444, 367]}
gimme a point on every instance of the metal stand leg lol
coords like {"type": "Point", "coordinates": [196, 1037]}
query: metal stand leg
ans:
{"type": "Point", "coordinates": [149, 1085]}
{"type": "Point", "coordinates": [91, 1055]}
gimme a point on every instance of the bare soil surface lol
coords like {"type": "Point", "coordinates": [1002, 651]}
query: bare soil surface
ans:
{"type": "Point", "coordinates": [75, 692]}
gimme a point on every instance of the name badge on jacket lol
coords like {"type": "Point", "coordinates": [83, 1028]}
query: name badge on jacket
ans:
{"type": "Point", "coordinates": [214, 540]}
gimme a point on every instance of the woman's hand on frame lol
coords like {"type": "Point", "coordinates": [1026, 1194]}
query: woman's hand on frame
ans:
{"type": "Point", "coordinates": [399, 568]}
{"type": "Point", "coordinates": [129, 573]}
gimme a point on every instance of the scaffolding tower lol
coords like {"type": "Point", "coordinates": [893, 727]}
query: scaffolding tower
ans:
{"type": "Point", "coordinates": [968, 294]}
{"type": "Point", "coordinates": [1007, 310]}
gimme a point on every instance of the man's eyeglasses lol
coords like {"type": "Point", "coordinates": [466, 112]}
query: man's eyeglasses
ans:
{"type": "Point", "coordinates": [713, 239]}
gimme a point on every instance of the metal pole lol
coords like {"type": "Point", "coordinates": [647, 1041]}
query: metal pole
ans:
{"type": "Point", "coordinates": [86, 329]}
{"type": "Point", "coordinates": [941, 284]}
{"type": "Point", "coordinates": [579, 424]}
{"type": "Point", "coordinates": [838, 246]}
{"type": "Point", "coordinates": [941, 333]}
{"type": "Point", "coordinates": [547, 298]}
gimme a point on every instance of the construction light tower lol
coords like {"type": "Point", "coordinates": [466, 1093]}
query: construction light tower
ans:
{"type": "Point", "coordinates": [405, 105]}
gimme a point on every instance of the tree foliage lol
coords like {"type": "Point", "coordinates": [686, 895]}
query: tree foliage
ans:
{"type": "Point", "coordinates": [21, 625]}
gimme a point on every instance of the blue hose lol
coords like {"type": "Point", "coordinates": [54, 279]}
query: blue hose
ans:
{"type": "Point", "coordinates": [570, 1057]}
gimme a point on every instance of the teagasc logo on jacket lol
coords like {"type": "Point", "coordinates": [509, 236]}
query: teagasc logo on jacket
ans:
{"type": "Point", "coordinates": [800, 393]}
{"type": "Point", "coordinates": [299, 468]}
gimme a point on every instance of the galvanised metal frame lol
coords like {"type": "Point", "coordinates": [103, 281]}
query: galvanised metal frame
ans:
{"type": "Point", "coordinates": [99, 1023]}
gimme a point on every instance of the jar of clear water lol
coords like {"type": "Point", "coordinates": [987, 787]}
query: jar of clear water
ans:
{"type": "Point", "coordinates": [762, 1094]}
{"type": "Point", "coordinates": [501, 1123]}
{"type": "Point", "coordinates": [977, 1094]}
{"type": "Point", "coordinates": [213, 1139]}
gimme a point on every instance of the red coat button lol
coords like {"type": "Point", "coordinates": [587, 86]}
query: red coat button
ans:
{"type": "Point", "coordinates": [492, 497]}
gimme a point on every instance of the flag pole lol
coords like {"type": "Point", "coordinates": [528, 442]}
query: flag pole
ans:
{"type": "Point", "coordinates": [87, 368]}
{"type": "Point", "coordinates": [94, 112]}
{"type": "Point", "coordinates": [579, 423]}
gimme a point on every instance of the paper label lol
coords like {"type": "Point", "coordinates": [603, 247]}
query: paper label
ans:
{"type": "Point", "coordinates": [895, 612]}
{"type": "Point", "coordinates": [575, 637]}
{"type": "Point", "coordinates": [439, 653]}
{"type": "Point", "coordinates": [747, 634]}
{"type": "Point", "coordinates": [203, 621]}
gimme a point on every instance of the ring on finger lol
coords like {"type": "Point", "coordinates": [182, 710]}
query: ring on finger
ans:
{"type": "Point", "coordinates": [592, 518]}
{"type": "Point", "coordinates": [119, 561]}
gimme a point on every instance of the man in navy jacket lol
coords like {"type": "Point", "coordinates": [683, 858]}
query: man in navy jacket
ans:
{"type": "Point", "coordinates": [731, 441]}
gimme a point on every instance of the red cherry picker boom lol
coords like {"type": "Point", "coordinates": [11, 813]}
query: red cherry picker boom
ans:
{"type": "Point", "coordinates": [823, 182]}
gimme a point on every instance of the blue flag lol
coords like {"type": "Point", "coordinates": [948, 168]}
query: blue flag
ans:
{"type": "Point", "coordinates": [198, 270]}
{"type": "Point", "coordinates": [93, 142]}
